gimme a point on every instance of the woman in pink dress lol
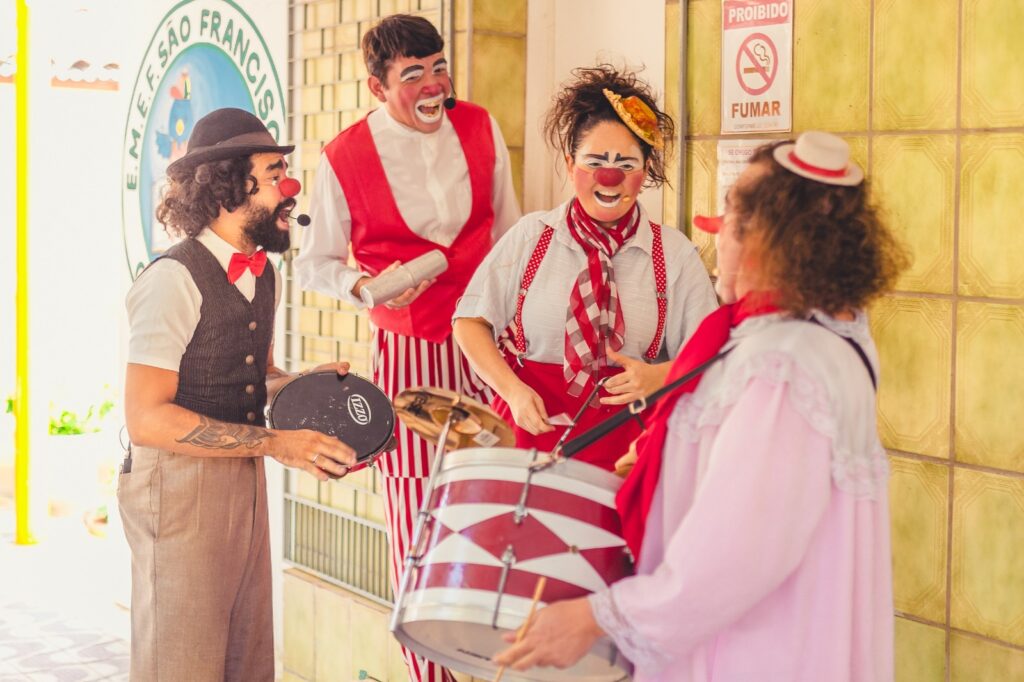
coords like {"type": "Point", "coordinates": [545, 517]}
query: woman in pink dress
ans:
{"type": "Point", "coordinates": [758, 504]}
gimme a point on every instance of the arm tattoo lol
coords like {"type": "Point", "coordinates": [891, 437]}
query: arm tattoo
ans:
{"type": "Point", "coordinates": [217, 435]}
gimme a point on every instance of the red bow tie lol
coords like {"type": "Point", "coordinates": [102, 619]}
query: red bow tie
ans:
{"type": "Point", "coordinates": [239, 262]}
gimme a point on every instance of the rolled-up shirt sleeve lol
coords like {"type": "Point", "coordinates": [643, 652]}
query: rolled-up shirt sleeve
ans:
{"type": "Point", "coordinates": [491, 293]}
{"type": "Point", "coordinates": [691, 299]}
{"type": "Point", "coordinates": [766, 488]}
{"type": "Point", "coordinates": [322, 264]}
{"type": "Point", "coordinates": [163, 311]}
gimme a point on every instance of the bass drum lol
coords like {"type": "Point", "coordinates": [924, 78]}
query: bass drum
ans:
{"type": "Point", "coordinates": [493, 528]}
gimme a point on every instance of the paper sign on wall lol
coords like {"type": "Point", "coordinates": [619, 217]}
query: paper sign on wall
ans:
{"type": "Point", "coordinates": [757, 66]}
{"type": "Point", "coordinates": [733, 156]}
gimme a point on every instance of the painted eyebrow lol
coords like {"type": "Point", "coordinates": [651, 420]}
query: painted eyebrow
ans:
{"type": "Point", "coordinates": [409, 70]}
{"type": "Point", "coordinates": [441, 61]}
{"type": "Point", "coordinates": [276, 166]}
{"type": "Point", "coordinates": [604, 157]}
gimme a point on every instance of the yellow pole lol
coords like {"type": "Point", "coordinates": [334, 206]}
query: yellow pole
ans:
{"type": "Point", "coordinates": [22, 532]}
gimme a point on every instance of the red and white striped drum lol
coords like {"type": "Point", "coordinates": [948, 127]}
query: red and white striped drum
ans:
{"type": "Point", "coordinates": [496, 524]}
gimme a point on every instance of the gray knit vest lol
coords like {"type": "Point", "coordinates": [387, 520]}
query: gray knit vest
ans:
{"type": "Point", "coordinates": [224, 369]}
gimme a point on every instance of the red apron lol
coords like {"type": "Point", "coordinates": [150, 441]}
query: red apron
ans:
{"type": "Point", "coordinates": [548, 379]}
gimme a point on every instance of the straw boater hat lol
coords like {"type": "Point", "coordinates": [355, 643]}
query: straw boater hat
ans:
{"type": "Point", "coordinates": [822, 157]}
{"type": "Point", "coordinates": [226, 134]}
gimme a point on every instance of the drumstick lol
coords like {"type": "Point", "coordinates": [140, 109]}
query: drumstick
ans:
{"type": "Point", "coordinates": [521, 632]}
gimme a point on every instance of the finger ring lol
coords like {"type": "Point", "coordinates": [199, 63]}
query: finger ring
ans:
{"type": "Point", "coordinates": [315, 458]}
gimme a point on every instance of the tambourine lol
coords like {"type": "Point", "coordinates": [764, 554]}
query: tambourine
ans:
{"type": "Point", "coordinates": [348, 407]}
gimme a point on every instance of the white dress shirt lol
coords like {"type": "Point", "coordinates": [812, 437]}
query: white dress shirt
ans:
{"type": "Point", "coordinates": [429, 179]}
{"type": "Point", "coordinates": [493, 291]}
{"type": "Point", "coordinates": [164, 305]}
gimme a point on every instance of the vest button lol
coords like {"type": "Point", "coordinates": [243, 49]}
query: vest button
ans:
{"type": "Point", "coordinates": [252, 326]}
{"type": "Point", "coordinates": [251, 416]}
{"type": "Point", "coordinates": [249, 359]}
{"type": "Point", "coordinates": [250, 389]}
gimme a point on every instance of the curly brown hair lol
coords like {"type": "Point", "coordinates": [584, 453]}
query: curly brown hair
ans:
{"type": "Point", "coordinates": [822, 246]}
{"type": "Point", "coordinates": [195, 195]}
{"type": "Point", "coordinates": [581, 105]}
{"type": "Point", "coordinates": [398, 35]}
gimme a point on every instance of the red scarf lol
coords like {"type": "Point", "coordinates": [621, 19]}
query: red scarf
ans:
{"type": "Point", "coordinates": [594, 319]}
{"type": "Point", "coordinates": [637, 492]}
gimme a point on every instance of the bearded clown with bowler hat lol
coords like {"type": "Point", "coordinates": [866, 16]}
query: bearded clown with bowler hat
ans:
{"type": "Point", "coordinates": [192, 489]}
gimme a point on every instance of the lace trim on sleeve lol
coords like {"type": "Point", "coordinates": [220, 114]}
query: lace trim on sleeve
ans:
{"type": "Point", "coordinates": [633, 644]}
{"type": "Point", "coordinates": [859, 471]}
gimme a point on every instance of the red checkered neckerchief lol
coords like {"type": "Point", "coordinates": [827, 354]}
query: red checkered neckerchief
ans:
{"type": "Point", "coordinates": [593, 320]}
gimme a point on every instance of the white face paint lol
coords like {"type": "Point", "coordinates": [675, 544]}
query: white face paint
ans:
{"type": "Point", "coordinates": [428, 109]}
{"type": "Point", "coordinates": [607, 146]}
{"type": "Point", "coordinates": [413, 91]}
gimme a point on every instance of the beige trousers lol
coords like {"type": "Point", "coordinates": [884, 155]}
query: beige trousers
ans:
{"type": "Point", "coordinates": [200, 543]}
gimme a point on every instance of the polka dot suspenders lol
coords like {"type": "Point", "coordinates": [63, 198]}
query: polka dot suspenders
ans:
{"type": "Point", "coordinates": [658, 260]}
{"type": "Point", "coordinates": [514, 333]}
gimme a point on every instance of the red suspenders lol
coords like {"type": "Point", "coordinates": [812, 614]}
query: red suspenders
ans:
{"type": "Point", "coordinates": [514, 333]}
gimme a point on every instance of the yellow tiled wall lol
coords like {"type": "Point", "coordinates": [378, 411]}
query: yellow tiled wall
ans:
{"type": "Point", "coordinates": [331, 633]}
{"type": "Point", "coordinates": [490, 68]}
{"type": "Point", "coordinates": [930, 96]}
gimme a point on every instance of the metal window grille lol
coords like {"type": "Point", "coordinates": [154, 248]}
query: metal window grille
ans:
{"type": "Point", "coordinates": [341, 548]}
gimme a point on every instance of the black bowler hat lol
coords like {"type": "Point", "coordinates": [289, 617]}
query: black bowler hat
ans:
{"type": "Point", "coordinates": [226, 134]}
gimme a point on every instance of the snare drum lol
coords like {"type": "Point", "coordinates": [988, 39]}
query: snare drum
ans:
{"type": "Point", "coordinates": [348, 407]}
{"type": "Point", "coordinates": [493, 529]}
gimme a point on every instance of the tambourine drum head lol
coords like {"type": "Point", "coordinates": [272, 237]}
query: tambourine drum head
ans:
{"type": "Point", "coordinates": [347, 407]}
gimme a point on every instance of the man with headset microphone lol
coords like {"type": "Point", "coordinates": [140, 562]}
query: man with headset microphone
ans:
{"type": "Point", "coordinates": [418, 174]}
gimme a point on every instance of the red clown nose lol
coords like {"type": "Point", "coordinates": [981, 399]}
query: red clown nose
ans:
{"type": "Point", "coordinates": [289, 187]}
{"type": "Point", "coordinates": [609, 177]}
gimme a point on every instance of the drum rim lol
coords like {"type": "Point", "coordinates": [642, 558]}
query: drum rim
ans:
{"type": "Point", "coordinates": [583, 471]}
{"type": "Point", "coordinates": [359, 460]}
{"type": "Point", "coordinates": [403, 632]}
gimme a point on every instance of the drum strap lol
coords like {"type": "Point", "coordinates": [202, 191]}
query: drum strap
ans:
{"type": "Point", "coordinates": [856, 347]}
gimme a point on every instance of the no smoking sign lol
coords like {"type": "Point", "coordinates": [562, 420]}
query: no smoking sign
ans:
{"type": "Point", "coordinates": [757, 66]}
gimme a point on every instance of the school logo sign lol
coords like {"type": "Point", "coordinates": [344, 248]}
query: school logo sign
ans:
{"type": "Point", "coordinates": [204, 55]}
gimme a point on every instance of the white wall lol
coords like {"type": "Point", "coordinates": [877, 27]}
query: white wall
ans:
{"type": "Point", "coordinates": [78, 270]}
{"type": "Point", "coordinates": [565, 34]}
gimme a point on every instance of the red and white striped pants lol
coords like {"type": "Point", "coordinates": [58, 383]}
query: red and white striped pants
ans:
{"type": "Point", "coordinates": [400, 362]}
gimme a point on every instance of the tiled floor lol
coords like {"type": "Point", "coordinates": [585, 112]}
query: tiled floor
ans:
{"type": "Point", "coordinates": [59, 612]}
{"type": "Point", "coordinates": [40, 644]}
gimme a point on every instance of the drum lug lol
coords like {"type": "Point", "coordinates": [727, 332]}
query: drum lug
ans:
{"type": "Point", "coordinates": [508, 557]}
{"type": "Point", "coordinates": [521, 512]}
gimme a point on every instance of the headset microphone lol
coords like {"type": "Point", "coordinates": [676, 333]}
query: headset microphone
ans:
{"type": "Point", "coordinates": [449, 101]}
